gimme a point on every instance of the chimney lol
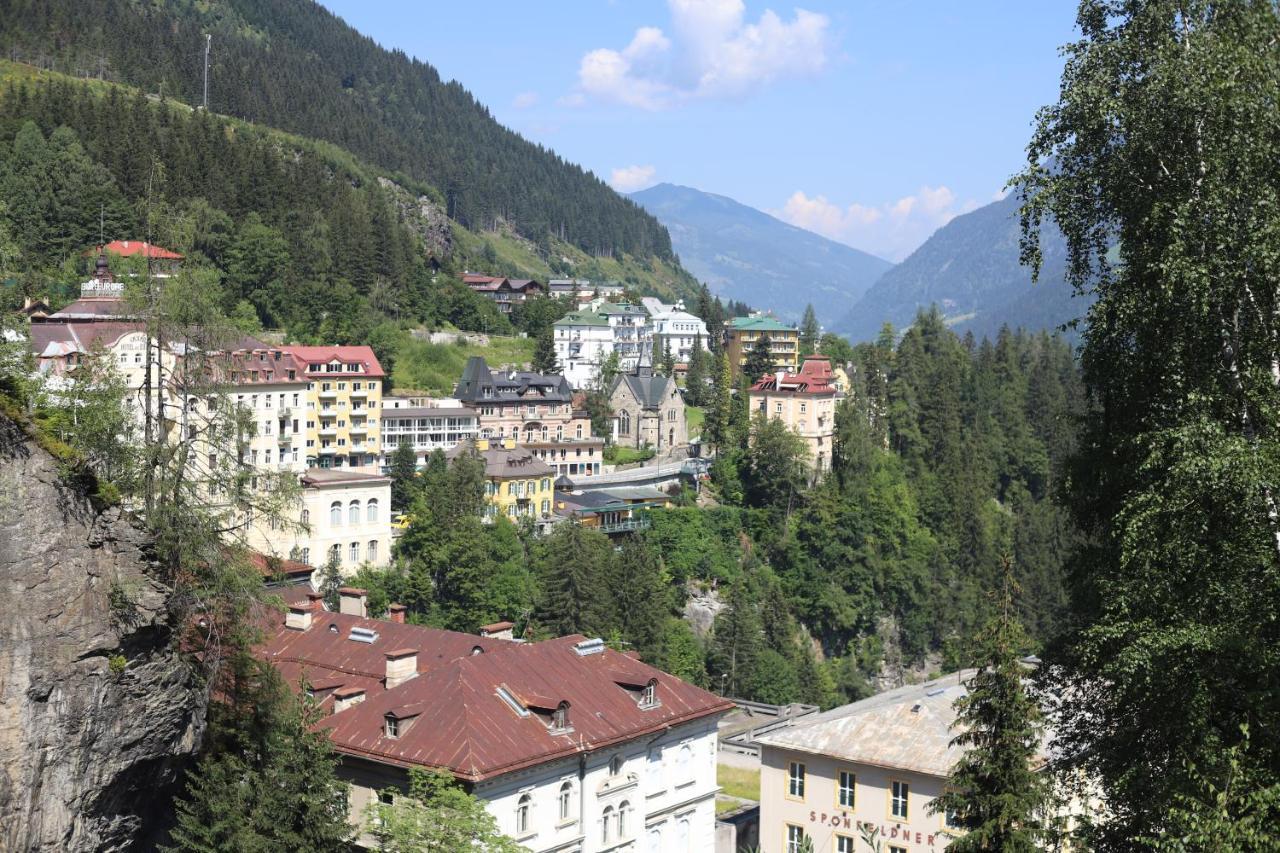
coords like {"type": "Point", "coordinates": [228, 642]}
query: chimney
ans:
{"type": "Point", "coordinates": [353, 601]}
{"type": "Point", "coordinates": [345, 697]}
{"type": "Point", "coordinates": [299, 617]}
{"type": "Point", "coordinates": [402, 664]}
{"type": "Point", "coordinates": [315, 600]}
{"type": "Point", "coordinates": [498, 630]}
{"type": "Point", "coordinates": [395, 612]}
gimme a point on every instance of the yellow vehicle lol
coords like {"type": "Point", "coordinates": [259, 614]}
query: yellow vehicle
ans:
{"type": "Point", "coordinates": [401, 521]}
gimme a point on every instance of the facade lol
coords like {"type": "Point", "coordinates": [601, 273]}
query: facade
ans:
{"type": "Point", "coordinates": [612, 511]}
{"type": "Point", "coordinates": [343, 406]}
{"type": "Point", "coordinates": [339, 512]}
{"type": "Point", "coordinates": [269, 386]}
{"type": "Point", "coordinates": [674, 329]}
{"type": "Point", "coordinates": [573, 747]}
{"type": "Point", "coordinates": [741, 334]}
{"type": "Point", "coordinates": [520, 405]}
{"type": "Point", "coordinates": [426, 429]}
{"type": "Point", "coordinates": [572, 457]}
{"type": "Point", "coordinates": [517, 483]}
{"type": "Point", "coordinates": [648, 411]}
{"type": "Point", "coordinates": [583, 340]}
{"type": "Point", "coordinates": [805, 402]}
{"type": "Point", "coordinates": [505, 292]}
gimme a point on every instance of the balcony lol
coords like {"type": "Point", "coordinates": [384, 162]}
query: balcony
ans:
{"type": "Point", "coordinates": [283, 438]}
{"type": "Point", "coordinates": [361, 428]}
{"type": "Point", "coordinates": [359, 392]}
{"type": "Point", "coordinates": [328, 429]}
{"type": "Point", "coordinates": [626, 525]}
{"type": "Point", "coordinates": [331, 393]}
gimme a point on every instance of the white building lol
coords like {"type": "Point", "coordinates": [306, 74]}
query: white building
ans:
{"type": "Point", "coordinates": [674, 328]}
{"type": "Point", "coordinates": [584, 339]}
{"type": "Point", "coordinates": [573, 747]}
{"type": "Point", "coordinates": [426, 428]}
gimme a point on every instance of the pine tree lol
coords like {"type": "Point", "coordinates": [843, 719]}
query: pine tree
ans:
{"type": "Point", "coordinates": [404, 475]}
{"type": "Point", "coordinates": [995, 793]}
{"type": "Point", "coordinates": [331, 580]}
{"type": "Point", "coordinates": [735, 642]}
{"type": "Point", "coordinates": [667, 366]}
{"type": "Point", "coordinates": [574, 567]}
{"type": "Point", "coordinates": [810, 332]}
{"type": "Point", "coordinates": [759, 360]}
{"type": "Point", "coordinates": [642, 596]}
{"type": "Point", "coordinates": [544, 353]}
{"type": "Point", "coordinates": [695, 381]}
{"type": "Point", "coordinates": [436, 814]}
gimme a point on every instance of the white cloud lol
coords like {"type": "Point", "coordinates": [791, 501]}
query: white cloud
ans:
{"type": "Point", "coordinates": [713, 51]}
{"type": "Point", "coordinates": [628, 179]}
{"type": "Point", "coordinates": [524, 100]}
{"type": "Point", "coordinates": [891, 230]}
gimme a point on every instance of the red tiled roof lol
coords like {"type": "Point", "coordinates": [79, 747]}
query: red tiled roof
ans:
{"type": "Point", "coordinates": [345, 354]}
{"type": "Point", "coordinates": [815, 377]}
{"type": "Point", "coordinates": [129, 248]}
{"type": "Point", "coordinates": [287, 567]}
{"type": "Point", "coordinates": [462, 723]}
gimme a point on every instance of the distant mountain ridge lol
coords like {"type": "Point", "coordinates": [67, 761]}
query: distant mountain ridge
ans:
{"type": "Point", "coordinates": [742, 253]}
{"type": "Point", "coordinates": [970, 269]}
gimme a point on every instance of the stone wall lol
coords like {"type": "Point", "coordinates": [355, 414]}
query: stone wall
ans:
{"type": "Point", "coordinates": [98, 713]}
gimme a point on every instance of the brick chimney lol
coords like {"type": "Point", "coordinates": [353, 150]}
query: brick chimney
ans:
{"type": "Point", "coordinates": [353, 601]}
{"type": "Point", "coordinates": [315, 601]}
{"type": "Point", "coordinates": [345, 697]}
{"type": "Point", "coordinates": [299, 617]}
{"type": "Point", "coordinates": [395, 612]}
{"type": "Point", "coordinates": [498, 630]}
{"type": "Point", "coordinates": [402, 664]}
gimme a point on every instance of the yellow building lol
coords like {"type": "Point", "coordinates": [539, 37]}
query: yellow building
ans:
{"type": "Point", "coordinates": [344, 399]}
{"type": "Point", "coordinates": [741, 334]}
{"type": "Point", "coordinates": [517, 482]}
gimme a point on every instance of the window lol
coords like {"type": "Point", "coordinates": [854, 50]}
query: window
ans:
{"type": "Point", "coordinates": [845, 788]}
{"type": "Point", "coordinates": [795, 780]}
{"type": "Point", "coordinates": [353, 512]}
{"type": "Point", "coordinates": [335, 513]}
{"type": "Point", "coordinates": [335, 553]}
{"type": "Point", "coordinates": [649, 696]}
{"type": "Point", "coordinates": [950, 819]}
{"type": "Point", "coordinates": [372, 551]}
{"type": "Point", "coordinates": [371, 510]}
{"type": "Point", "coordinates": [560, 717]}
{"type": "Point", "coordinates": [522, 814]}
{"type": "Point", "coordinates": [386, 798]}
{"type": "Point", "coordinates": [306, 516]}
{"type": "Point", "coordinates": [624, 812]}
{"type": "Point", "coordinates": [897, 850]}
{"type": "Point", "coordinates": [306, 556]}
{"type": "Point", "coordinates": [803, 407]}
{"type": "Point", "coordinates": [353, 552]}
{"type": "Point", "coordinates": [566, 801]}
{"type": "Point", "coordinates": [624, 423]}
{"type": "Point", "coordinates": [684, 765]}
{"type": "Point", "coordinates": [844, 844]}
{"type": "Point", "coordinates": [606, 824]}
{"type": "Point", "coordinates": [390, 726]}
{"type": "Point", "coordinates": [898, 801]}
{"type": "Point", "coordinates": [795, 838]}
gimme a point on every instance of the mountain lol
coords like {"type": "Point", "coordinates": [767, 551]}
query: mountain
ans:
{"type": "Point", "coordinates": [970, 269]}
{"type": "Point", "coordinates": [750, 256]}
{"type": "Point", "coordinates": [293, 65]}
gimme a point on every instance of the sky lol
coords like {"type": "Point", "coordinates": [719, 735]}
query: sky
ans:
{"type": "Point", "coordinates": [871, 123]}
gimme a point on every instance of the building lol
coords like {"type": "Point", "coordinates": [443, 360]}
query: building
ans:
{"type": "Point", "coordinates": [426, 429]}
{"type": "Point", "coordinates": [582, 289]}
{"type": "Point", "coordinates": [805, 402]}
{"type": "Point", "coordinates": [741, 334]}
{"type": "Point", "coordinates": [583, 340]}
{"type": "Point", "coordinates": [674, 330]}
{"type": "Point", "coordinates": [344, 394]}
{"type": "Point", "coordinates": [517, 483]}
{"type": "Point", "coordinates": [520, 405]}
{"type": "Point", "coordinates": [161, 260]}
{"type": "Point", "coordinates": [572, 457]}
{"type": "Point", "coordinates": [505, 292]}
{"type": "Point", "coordinates": [612, 511]}
{"type": "Point", "coordinates": [339, 513]}
{"type": "Point", "coordinates": [648, 411]}
{"type": "Point", "coordinates": [269, 385]}
{"type": "Point", "coordinates": [572, 747]}
{"type": "Point", "coordinates": [877, 763]}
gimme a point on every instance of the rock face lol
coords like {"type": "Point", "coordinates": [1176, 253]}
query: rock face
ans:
{"type": "Point", "coordinates": [424, 218]}
{"type": "Point", "coordinates": [98, 712]}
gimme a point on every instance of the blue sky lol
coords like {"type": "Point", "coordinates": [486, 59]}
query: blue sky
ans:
{"type": "Point", "coordinates": [869, 122]}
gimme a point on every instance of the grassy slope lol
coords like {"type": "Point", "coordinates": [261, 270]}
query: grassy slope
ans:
{"type": "Point", "coordinates": [435, 368]}
{"type": "Point", "coordinates": [647, 276]}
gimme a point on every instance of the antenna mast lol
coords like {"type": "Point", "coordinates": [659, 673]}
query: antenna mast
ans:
{"type": "Point", "coordinates": [207, 39]}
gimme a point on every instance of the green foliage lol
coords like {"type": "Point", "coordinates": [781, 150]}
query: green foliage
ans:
{"type": "Point", "coordinates": [695, 381]}
{"type": "Point", "coordinates": [1156, 163]}
{"type": "Point", "coordinates": [810, 332]}
{"type": "Point", "coordinates": [403, 471]}
{"type": "Point", "coordinates": [759, 360]}
{"type": "Point", "coordinates": [544, 353]}
{"type": "Point", "coordinates": [435, 814]}
{"type": "Point", "coordinates": [575, 567]}
{"type": "Point", "coordinates": [775, 469]}
{"type": "Point", "coordinates": [117, 664]}
{"type": "Point", "coordinates": [331, 581]}
{"type": "Point", "coordinates": [435, 368]}
{"type": "Point", "coordinates": [265, 780]}
{"type": "Point", "coordinates": [616, 454]}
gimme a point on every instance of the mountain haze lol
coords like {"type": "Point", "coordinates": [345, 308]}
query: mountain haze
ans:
{"type": "Point", "coordinates": [744, 254]}
{"type": "Point", "coordinates": [970, 269]}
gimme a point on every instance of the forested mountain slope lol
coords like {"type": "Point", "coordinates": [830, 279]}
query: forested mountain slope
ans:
{"type": "Point", "coordinates": [969, 268]}
{"type": "Point", "coordinates": [293, 65]}
{"type": "Point", "coordinates": [749, 256]}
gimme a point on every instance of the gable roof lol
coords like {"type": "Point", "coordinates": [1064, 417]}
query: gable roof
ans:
{"type": "Point", "coordinates": [131, 248]}
{"type": "Point", "coordinates": [649, 389]}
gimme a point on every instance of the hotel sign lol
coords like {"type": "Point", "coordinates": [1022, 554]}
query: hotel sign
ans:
{"type": "Point", "coordinates": [102, 287]}
{"type": "Point", "coordinates": [895, 832]}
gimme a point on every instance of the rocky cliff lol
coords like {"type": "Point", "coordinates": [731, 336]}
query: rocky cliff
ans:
{"type": "Point", "coordinates": [98, 713]}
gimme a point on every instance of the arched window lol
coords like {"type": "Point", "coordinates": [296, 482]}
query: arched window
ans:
{"type": "Point", "coordinates": [335, 513]}
{"type": "Point", "coordinates": [655, 840]}
{"type": "Point", "coordinates": [371, 510]}
{"type": "Point", "coordinates": [353, 552]}
{"type": "Point", "coordinates": [371, 553]}
{"type": "Point", "coordinates": [624, 813]}
{"type": "Point", "coordinates": [624, 423]}
{"type": "Point", "coordinates": [306, 517]}
{"type": "Point", "coordinates": [353, 512]}
{"type": "Point", "coordinates": [522, 814]}
{"type": "Point", "coordinates": [606, 824]}
{"type": "Point", "coordinates": [566, 797]}
{"type": "Point", "coordinates": [684, 763]}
